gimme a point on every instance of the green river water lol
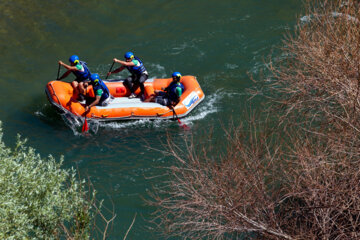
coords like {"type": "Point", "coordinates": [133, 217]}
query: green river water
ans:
{"type": "Point", "coordinates": [219, 42]}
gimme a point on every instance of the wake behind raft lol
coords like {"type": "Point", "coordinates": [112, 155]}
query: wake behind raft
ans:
{"type": "Point", "coordinates": [61, 95]}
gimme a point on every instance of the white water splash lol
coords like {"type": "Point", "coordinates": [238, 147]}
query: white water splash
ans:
{"type": "Point", "coordinates": [192, 45]}
{"type": "Point", "coordinates": [132, 124]}
{"type": "Point", "coordinates": [210, 105]}
{"type": "Point", "coordinates": [73, 123]}
{"type": "Point", "coordinates": [157, 67]}
{"type": "Point", "coordinates": [39, 114]}
{"type": "Point", "coordinates": [308, 18]}
{"type": "Point", "coordinates": [231, 66]}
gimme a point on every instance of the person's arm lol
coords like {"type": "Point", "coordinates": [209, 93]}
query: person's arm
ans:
{"type": "Point", "coordinates": [64, 75]}
{"type": "Point", "coordinates": [116, 70]}
{"type": "Point", "coordinates": [68, 67]}
{"type": "Point", "coordinates": [96, 101]}
{"type": "Point", "coordinates": [178, 93]}
{"type": "Point", "coordinates": [126, 64]}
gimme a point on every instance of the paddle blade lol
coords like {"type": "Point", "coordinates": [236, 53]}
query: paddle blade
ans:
{"type": "Point", "coordinates": [85, 127]}
{"type": "Point", "coordinates": [183, 125]}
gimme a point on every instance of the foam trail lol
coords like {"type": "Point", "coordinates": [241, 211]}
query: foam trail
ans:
{"type": "Point", "coordinates": [133, 124]}
{"type": "Point", "coordinates": [39, 114]}
{"type": "Point", "coordinates": [71, 122]}
{"type": "Point", "coordinates": [208, 106]}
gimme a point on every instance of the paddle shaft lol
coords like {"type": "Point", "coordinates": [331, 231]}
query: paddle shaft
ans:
{"type": "Point", "coordinates": [177, 118]}
{"type": "Point", "coordinates": [58, 72]}
{"type": "Point", "coordinates": [110, 69]}
{"type": "Point", "coordinates": [85, 127]}
{"type": "Point", "coordinates": [183, 125]}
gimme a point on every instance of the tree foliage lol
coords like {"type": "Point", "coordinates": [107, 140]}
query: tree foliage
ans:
{"type": "Point", "coordinates": [38, 199]}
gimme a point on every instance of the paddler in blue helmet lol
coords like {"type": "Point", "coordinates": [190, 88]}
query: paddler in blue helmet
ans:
{"type": "Point", "coordinates": [138, 73]}
{"type": "Point", "coordinates": [82, 73]}
{"type": "Point", "coordinates": [171, 95]}
{"type": "Point", "coordinates": [101, 91]}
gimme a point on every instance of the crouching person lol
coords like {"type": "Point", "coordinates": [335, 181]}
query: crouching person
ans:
{"type": "Point", "coordinates": [101, 91]}
{"type": "Point", "coordinates": [171, 95]}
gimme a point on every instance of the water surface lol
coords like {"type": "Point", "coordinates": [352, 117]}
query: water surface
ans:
{"type": "Point", "coordinates": [219, 42]}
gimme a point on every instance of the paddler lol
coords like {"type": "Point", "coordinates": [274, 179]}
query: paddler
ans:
{"type": "Point", "coordinates": [101, 91]}
{"type": "Point", "coordinates": [82, 73]}
{"type": "Point", "coordinates": [138, 73]}
{"type": "Point", "coordinates": [171, 95]}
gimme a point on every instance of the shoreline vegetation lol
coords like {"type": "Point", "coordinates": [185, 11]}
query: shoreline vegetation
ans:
{"type": "Point", "coordinates": [291, 171]}
{"type": "Point", "coordinates": [39, 200]}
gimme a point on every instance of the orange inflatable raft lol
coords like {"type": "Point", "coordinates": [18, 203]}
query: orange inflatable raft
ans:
{"type": "Point", "coordinates": [61, 95]}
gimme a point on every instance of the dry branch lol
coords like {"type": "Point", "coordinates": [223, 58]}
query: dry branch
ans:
{"type": "Point", "coordinates": [297, 180]}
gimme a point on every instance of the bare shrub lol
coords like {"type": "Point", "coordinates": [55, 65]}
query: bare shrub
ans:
{"type": "Point", "coordinates": [214, 196]}
{"type": "Point", "coordinates": [322, 199]}
{"type": "Point", "coordinates": [267, 185]}
{"type": "Point", "coordinates": [299, 181]}
{"type": "Point", "coordinates": [316, 80]}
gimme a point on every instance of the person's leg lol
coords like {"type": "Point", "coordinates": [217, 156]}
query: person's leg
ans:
{"type": "Point", "coordinates": [150, 99]}
{"type": "Point", "coordinates": [82, 89]}
{"type": "Point", "coordinates": [154, 96]}
{"type": "Point", "coordinates": [75, 85]}
{"type": "Point", "coordinates": [162, 99]}
{"type": "Point", "coordinates": [128, 83]}
{"type": "Point", "coordinates": [105, 102]}
{"type": "Point", "coordinates": [136, 82]}
{"type": "Point", "coordinates": [142, 79]}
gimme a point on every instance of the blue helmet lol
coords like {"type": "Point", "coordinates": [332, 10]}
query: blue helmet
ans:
{"type": "Point", "coordinates": [95, 78]}
{"type": "Point", "coordinates": [74, 59]}
{"type": "Point", "coordinates": [129, 55]}
{"type": "Point", "coordinates": [176, 75]}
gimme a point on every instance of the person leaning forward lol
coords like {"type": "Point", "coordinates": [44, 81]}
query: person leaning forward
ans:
{"type": "Point", "coordinates": [101, 91]}
{"type": "Point", "coordinates": [138, 73]}
{"type": "Point", "coordinates": [82, 73]}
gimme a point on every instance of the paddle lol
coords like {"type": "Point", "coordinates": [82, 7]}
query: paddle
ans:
{"type": "Point", "coordinates": [85, 126]}
{"type": "Point", "coordinates": [110, 70]}
{"type": "Point", "coordinates": [183, 125]}
{"type": "Point", "coordinates": [58, 73]}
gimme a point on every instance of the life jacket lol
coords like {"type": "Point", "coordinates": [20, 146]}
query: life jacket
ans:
{"type": "Point", "coordinates": [137, 70]}
{"type": "Point", "coordinates": [83, 75]}
{"type": "Point", "coordinates": [171, 90]}
{"type": "Point", "coordinates": [106, 92]}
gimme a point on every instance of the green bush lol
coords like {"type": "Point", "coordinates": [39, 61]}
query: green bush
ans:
{"type": "Point", "coordinates": [38, 199]}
